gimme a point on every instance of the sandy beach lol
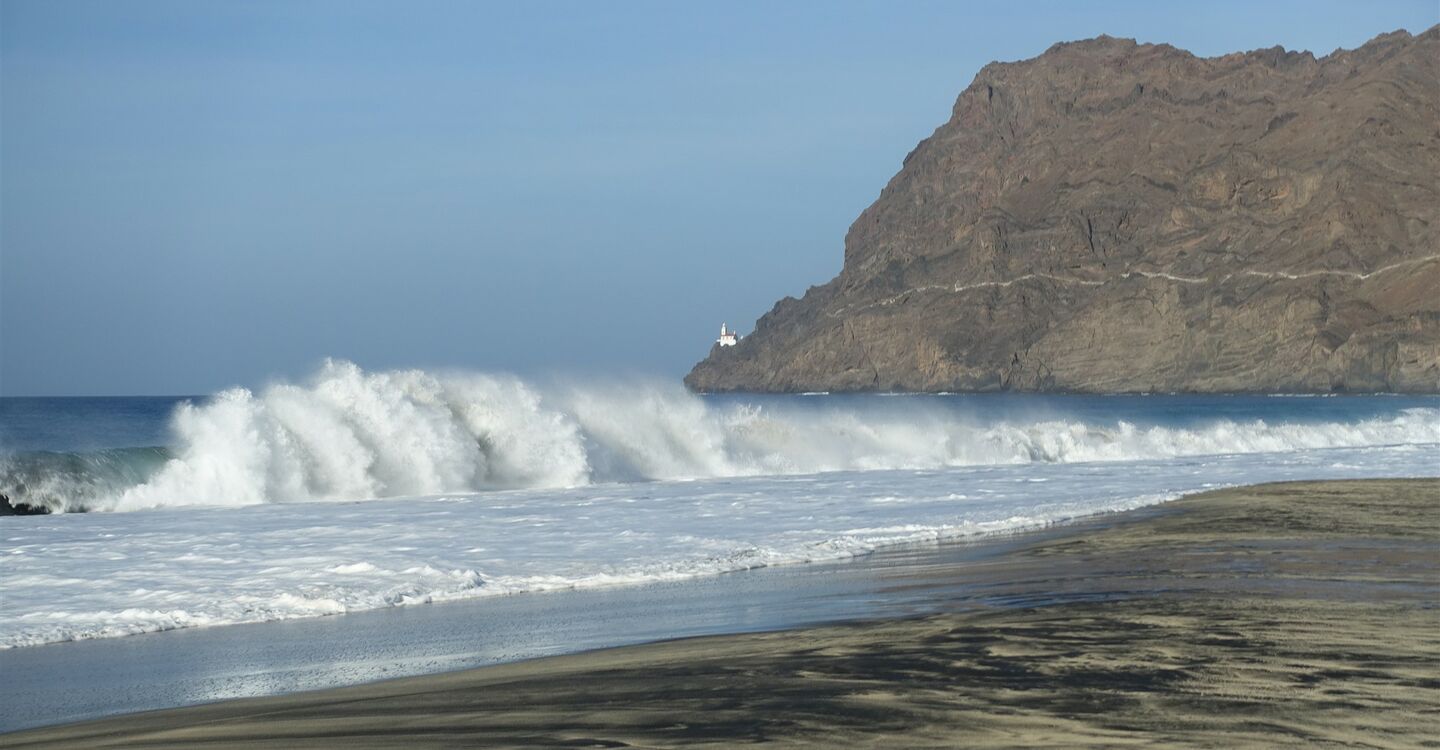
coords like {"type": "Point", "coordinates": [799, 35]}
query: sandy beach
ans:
{"type": "Point", "coordinates": [1299, 613]}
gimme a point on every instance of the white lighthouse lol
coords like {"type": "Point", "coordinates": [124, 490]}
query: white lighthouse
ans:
{"type": "Point", "coordinates": [727, 336]}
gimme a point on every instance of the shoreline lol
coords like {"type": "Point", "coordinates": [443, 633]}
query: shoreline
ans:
{"type": "Point", "coordinates": [942, 538]}
{"type": "Point", "coordinates": [1299, 612]}
{"type": "Point", "coordinates": [61, 683]}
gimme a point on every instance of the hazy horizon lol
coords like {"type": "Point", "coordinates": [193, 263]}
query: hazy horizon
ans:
{"type": "Point", "coordinates": [195, 196]}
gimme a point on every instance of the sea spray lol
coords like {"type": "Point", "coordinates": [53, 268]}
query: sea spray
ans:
{"type": "Point", "coordinates": [355, 435]}
{"type": "Point", "coordinates": [348, 434]}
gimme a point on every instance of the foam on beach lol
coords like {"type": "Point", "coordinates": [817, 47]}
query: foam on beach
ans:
{"type": "Point", "coordinates": [97, 575]}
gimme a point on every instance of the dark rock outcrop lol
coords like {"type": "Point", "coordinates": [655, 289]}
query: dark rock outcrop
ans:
{"type": "Point", "coordinates": [9, 507]}
{"type": "Point", "coordinates": [1116, 217]}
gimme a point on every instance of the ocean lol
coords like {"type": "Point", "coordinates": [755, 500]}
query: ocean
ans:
{"type": "Point", "coordinates": [357, 490]}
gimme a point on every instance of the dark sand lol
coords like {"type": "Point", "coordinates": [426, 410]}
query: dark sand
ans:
{"type": "Point", "coordinates": [1300, 614]}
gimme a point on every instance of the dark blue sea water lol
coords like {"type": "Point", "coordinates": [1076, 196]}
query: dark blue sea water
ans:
{"type": "Point", "coordinates": [86, 424]}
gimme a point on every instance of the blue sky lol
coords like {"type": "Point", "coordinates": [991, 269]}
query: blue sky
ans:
{"type": "Point", "coordinates": [202, 194]}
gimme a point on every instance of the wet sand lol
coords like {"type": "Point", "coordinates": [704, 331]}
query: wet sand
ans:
{"type": "Point", "coordinates": [1301, 614]}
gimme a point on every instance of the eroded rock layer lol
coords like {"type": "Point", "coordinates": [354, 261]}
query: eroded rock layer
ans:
{"type": "Point", "coordinates": [1122, 217]}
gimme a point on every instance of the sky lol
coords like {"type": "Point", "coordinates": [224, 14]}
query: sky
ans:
{"type": "Point", "coordinates": [196, 195]}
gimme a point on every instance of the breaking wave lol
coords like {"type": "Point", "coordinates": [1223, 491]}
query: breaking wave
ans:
{"type": "Point", "coordinates": [350, 434]}
{"type": "Point", "coordinates": [59, 481]}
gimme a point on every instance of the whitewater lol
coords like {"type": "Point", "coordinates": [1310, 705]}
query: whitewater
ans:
{"type": "Point", "coordinates": [361, 490]}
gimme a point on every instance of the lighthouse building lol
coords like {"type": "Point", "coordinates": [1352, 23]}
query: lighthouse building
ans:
{"type": "Point", "coordinates": [727, 336]}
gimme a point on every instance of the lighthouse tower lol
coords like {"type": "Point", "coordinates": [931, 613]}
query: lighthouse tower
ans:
{"type": "Point", "coordinates": [727, 336]}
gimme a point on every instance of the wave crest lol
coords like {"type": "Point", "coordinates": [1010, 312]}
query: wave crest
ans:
{"type": "Point", "coordinates": [349, 434]}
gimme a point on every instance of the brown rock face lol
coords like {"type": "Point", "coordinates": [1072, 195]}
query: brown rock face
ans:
{"type": "Point", "coordinates": [1116, 217]}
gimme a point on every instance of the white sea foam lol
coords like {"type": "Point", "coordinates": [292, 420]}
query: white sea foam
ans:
{"type": "Point", "coordinates": [483, 485]}
{"type": "Point", "coordinates": [96, 575]}
{"type": "Point", "coordinates": [349, 434]}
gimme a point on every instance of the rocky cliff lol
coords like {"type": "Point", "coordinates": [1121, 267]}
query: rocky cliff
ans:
{"type": "Point", "coordinates": [1116, 217]}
